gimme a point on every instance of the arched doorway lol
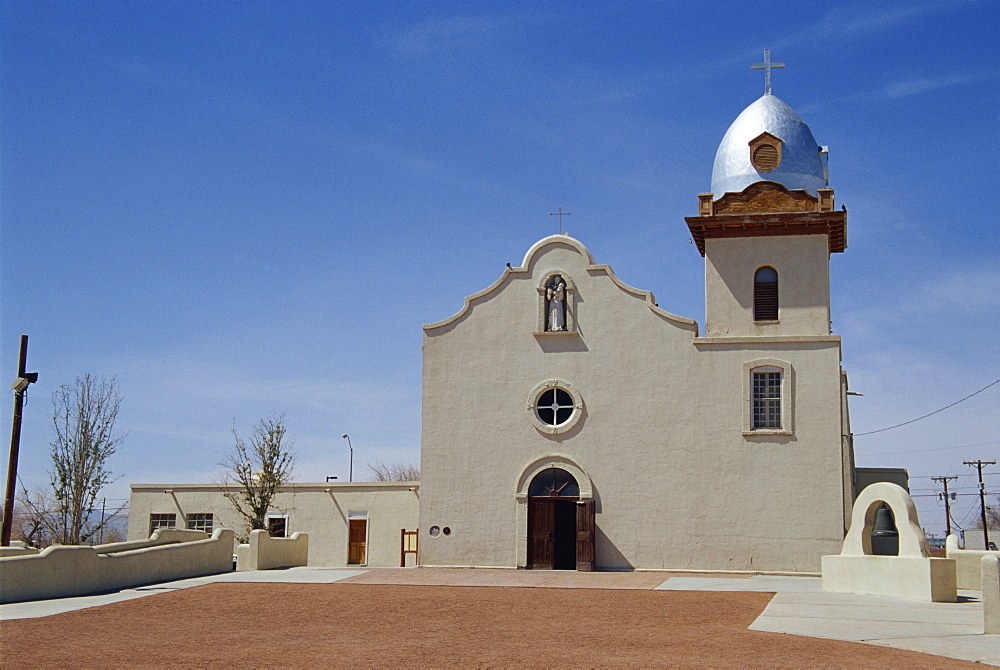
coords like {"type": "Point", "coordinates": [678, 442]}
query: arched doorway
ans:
{"type": "Point", "coordinates": [552, 520]}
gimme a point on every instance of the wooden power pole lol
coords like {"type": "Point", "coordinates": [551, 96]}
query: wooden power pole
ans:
{"type": "Point", "coordinates": [982, 497]}
{"type": "Point", "coordinates": [947, 502]}
{"type": "Point", "coordinates": [20, 388]}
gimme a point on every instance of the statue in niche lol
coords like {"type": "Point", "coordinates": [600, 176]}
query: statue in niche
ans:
{"type": "Point", "coordinates": [555, 296]}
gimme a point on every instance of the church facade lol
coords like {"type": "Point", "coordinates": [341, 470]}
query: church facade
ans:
{"type": "Point", "coordinates": [569, 422]}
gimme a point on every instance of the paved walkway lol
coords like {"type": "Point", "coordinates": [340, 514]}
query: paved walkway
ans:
{"type": "Point", "coordinates": [798, 608]}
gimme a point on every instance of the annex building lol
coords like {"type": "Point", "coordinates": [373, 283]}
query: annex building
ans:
{"type": "Point", "coordinates": [607, 432]}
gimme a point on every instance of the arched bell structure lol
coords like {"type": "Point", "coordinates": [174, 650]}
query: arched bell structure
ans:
{"type": "Point", "coordinates": [884, 511]}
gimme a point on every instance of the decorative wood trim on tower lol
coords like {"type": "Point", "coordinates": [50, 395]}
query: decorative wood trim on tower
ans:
{"type": "Point", "coordinates": [766, 208]}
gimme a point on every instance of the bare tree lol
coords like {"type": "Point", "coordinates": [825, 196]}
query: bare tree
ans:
{"type": "Point", "coordinates": [257, 468]}
{"type": "Point", "coordinates": [992, 518]}
{"type": "Point", "coordinates": [34, 514]}
{"type": "Point", "coordinates": [83, 416]}
{"type": "Point", "coordinates": [394, 472]}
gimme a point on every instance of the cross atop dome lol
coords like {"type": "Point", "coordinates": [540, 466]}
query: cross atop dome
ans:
{"type": "Point", "coordinates": [766, 67]}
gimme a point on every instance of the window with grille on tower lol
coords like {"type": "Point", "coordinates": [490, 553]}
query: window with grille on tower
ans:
{"type": "Point", "coordinates": [765, 294]}
{"type": "Point", "coordinates": [766, 398]}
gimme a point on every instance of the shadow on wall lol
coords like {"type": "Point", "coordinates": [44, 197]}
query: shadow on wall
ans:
{"type": "Point", "coordinates": [608, 555]}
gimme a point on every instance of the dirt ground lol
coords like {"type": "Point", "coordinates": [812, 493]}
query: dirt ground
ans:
{"type": "Point", "coordinates": [339, 625]}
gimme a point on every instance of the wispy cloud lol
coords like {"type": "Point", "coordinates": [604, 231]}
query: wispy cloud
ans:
{"type": "Point", "coordinates": [955, 294]}
{"type": "Point", "coordinates": [446, 33]}
{"type": "Point", "coordinates": [901, 89]}
{"type": "Point", "coordinates": [859, 19]}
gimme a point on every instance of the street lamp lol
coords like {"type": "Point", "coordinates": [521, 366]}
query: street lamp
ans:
{"type": "Point", "coordinates": [351, 472]}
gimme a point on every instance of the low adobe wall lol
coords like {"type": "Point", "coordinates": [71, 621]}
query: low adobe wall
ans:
{"type": "Point", "coordinates": [62, 571]}
{"type": "Point", "coordinates": [159, 537]}
{"type": "Point", "coordinates": [967, 563]}
{"type": "Point", "coordinates": [990, 566]}
{"type": "Point", "coordinates": [17, 548]}
{"type": "Point", "coordinates": [266, 553]}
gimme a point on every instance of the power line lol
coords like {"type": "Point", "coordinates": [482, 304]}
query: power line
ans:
{"type": "Point", "coordinates": [918, 451]}
{"type": "Point", "coordinates": [905, 423]}
{"type": "Point", "coordinates": [985, 474]}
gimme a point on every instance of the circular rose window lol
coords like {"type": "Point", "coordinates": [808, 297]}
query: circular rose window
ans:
{"type": "Point", "coordinates": [554, 406]}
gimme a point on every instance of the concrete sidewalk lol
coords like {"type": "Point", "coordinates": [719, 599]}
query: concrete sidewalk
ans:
{"type": "Point", "coordinates": [799, 606]}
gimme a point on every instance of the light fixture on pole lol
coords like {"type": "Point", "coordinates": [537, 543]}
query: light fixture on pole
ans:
{"type": "Point", "coordinates": [351, 447]}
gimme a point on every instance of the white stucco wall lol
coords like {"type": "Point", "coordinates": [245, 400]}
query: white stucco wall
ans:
{"type": "Point", "coordinates": [803, 266]}
{"type": "Point", "coordinates": [677, 482]}
{"type": "Point", "coordinates": [64, 571]}
{"type": "Point", "coordinates": [318, 509]}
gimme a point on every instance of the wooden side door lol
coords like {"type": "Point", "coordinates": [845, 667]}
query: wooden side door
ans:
{"type": "Point", "coordinates": [357, 550]}
{"type": "Point", "coordinates": [541, 534]}
{"type": "Point", "coordinates": [585, 528]}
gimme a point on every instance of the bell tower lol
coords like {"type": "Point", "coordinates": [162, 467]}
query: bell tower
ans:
{"type": "Point", "coordinates": [768, 228]}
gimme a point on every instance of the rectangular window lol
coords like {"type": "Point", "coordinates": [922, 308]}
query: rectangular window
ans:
{"type": "Point", "coordinates": [201, 521]}
{"type": "Point", "coordinates": [162, 521]}
{"type": "Point", "coordinates": [766, 400]}
{"type": "Point", "coordinates": [277, 526]}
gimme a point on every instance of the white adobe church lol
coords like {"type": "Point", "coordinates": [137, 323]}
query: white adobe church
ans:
{"type": "Point", "coordinates": [571, 423]}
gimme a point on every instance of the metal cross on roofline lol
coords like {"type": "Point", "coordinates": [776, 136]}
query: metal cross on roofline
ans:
{"type": "Point", "coordinates": [766, 67]}
{"type": "Point", "coordinates": [560, 214]}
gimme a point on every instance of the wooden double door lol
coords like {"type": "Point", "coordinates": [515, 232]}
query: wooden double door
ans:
{"type": "Point", "coordinates": [560, 534]}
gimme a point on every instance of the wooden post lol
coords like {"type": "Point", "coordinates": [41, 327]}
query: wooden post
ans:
{"type": "Point", "coordinates": [15, 445]}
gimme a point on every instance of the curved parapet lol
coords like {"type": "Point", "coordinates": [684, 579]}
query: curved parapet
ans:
{"type": "Point", "coordinates": [537, 250]}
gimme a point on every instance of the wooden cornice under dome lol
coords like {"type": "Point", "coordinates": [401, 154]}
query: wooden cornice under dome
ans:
{"type": "Point", "coordinates": [766, 209]}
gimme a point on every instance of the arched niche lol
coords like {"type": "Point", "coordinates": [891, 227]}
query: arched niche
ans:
{"type": "Point", "coordinates": [912, 541]}
{"type": "Point", "coordinates": [569, 303]}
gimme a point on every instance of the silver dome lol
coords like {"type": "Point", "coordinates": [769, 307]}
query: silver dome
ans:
{"type": "Point", "coordinates": [801, 164]}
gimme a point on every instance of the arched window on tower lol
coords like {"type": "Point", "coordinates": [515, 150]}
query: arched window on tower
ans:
{"type": "Point", "coordinates": [765, 294]}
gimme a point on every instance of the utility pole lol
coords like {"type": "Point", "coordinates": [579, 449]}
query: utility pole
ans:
{"type": "Point", "coordinates": [982, 497]}
{"type": "Point", "coordinates": [20, 387]}
{"type": "Point", "coordinates": [947, 501]}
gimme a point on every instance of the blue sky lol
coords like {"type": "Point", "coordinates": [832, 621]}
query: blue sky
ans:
{"type": "Point", "coordinates": [247, 208]}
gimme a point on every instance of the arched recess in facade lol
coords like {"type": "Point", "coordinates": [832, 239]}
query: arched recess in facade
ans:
{"type": "Point", "coordinates": [528, 474]}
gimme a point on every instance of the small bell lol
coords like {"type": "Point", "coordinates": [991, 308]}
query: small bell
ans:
{"type": "Point", "coordinates": [885, 538]}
